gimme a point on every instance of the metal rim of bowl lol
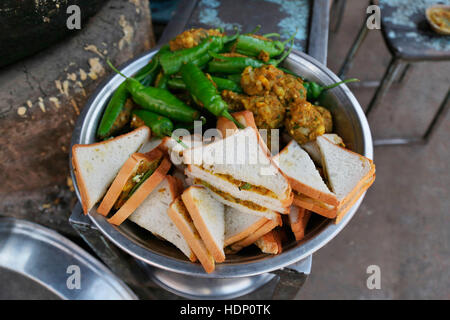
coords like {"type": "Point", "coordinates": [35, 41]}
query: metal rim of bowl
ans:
{"type": "Point", "coordinates": [63, 251]}
{"type": "Point", "coordinates": [227, 270]}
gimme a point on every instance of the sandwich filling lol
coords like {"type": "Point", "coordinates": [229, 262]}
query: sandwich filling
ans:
{"type": "Point", "coordinates": [142, 172]}
{"type": "Point", "coordinates": [229, 197]}
{"type": "Point", "coordinates": [242, 185]}
{"type": "Point", "coordinates": [182, 210]}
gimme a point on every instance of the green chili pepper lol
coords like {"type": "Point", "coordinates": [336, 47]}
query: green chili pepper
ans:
{"type": "Point", "coordinates": [204, 92]}
{"type": "Point", "coordinates": [161, 80]}
{"type": "Point", "coordinates": [116, 104]}
{"type": "Point", "coordinates": [158, 100]}
{"type": "Point", "coordinates": [171, 62]}
{"type": "Point", "coordinates": [314, 90]}
{"type": "Point", "coordinates": [221, 83]}
{"type": "Point", "coordinates": [226, 84]}
{"type": "Point", "coordinates": [112, 111]}
{"type": "Point", "coordinates": [176, 83]}
{"type": "Point", "coordinates": [222, 64]}
{"type": "Point", "coordinates": [251, 45]}
{"type": "Point", "coordinates": [160, 126]}
{"type": "Point", "coordinates": [236, 78]}
{"type": "Point", "coordinates": [161, 101]}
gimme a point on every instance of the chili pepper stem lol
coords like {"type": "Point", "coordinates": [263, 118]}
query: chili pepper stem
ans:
{"type": "Point", "coordinates": [331, 86]}
{"type": "Point", "coordinates": [290, 38]}
{"type": "Point", "coordinates": [115, 69]}
{"type": "Point", "coordinates": [284, 56]}
{"type": "Point", "coordinates": [271, 35]}
{"type": "Point", "coordinates": [256, 29]}
{"type": "Point", "coordinates": [180, 142]}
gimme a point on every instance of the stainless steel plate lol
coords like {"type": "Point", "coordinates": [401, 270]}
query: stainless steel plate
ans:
{"type": "Point", "coordinates": [49, 259]}
{"type": "Point", "coordinates": [350, 123]}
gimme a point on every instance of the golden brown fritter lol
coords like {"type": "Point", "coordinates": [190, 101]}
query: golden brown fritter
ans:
{"type": "Point", "coordinates": [327, 118]}
{"type": "Point", "coordinates": [304, 122]}
{"type": "Point", "coordinates": [271, 80]}
{"type": "Point", "coordinates": [259, 81]}
{"type": "Point", "coordinates": [234, 100]}
{"type": "Point", "coordinates": [268, 111]}
{"type": "Point", "coordinates": [191, 38]}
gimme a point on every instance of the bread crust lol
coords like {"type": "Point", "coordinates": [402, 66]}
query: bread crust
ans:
{"type": "Point", "coordinates": [341, 213]}
{"type": "Point", "coordinates": [267, 227]}
{"type": "Point", "coordinates": [298, 227]}
{"type": "Point", "coordinates": [141, 193]}
{"type": "Point", "coordinates": [244, 117]}
{"type": "Point", "coordinates": [270, 242]}
{"type": "Point", "coordinates": [122, 177]}
{"type": "Point", "coordinates": [208, 239]}
{"type": "Point", "coordinates": [85, 200]}
{"type": "Point", "coordinates": [361, 182]}
{"type": "Point", "coordinates": [245, 233]}
{"type": "Point", "coordinates": [196, 245]}
{"type": "Point", "coordinates": [328, 213]}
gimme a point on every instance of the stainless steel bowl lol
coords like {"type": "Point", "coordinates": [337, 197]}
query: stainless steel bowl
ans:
{"type": "Point", "coordinates": [350, 123]}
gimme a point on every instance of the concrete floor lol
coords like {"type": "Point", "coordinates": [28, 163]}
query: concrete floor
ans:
{"type": "Point", "coordinates": [403, 225]}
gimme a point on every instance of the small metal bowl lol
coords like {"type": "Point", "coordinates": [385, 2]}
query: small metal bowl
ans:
{"type": "Point", "coordinates": [350, 124]}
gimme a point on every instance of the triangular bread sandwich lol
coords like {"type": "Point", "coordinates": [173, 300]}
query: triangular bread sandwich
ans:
{"type": "Point", "coordinates": [137, 178]}
{"type": "Point", "coordinates": [313, 149]}
{"type": "Point", "coordinates": [310, 190]}
{"type": "Point", "coordinates": [270, 242]}
{"type": "Point", "coordinates": [298, 220]}
{"type": "Point", "coordinates": [180, 216]}
{"type": "Point", "coordinates": [252, 238]}
{"type": "Point", "coordinates": [349, 174]}
{"type": "Point", "coordinates": [96, 165]}
{"type": "Point", "coordinates": [239, 173]}
{"type": "Point", "coordinates": [208, 216]}
{"type": "Point", "coordinates": [152, 215]}
{"type": "Point", "coordinates": [239, 225]}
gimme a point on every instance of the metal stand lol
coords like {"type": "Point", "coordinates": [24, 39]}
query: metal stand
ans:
{"type": "Point", "coordinates": [437, 119]}
{"type": "Point", "coordinates": [392, 75]}
{"type": "Point", "coordinates": [338, 9]}
{"type": "Point", "coordinates": [148, 282]}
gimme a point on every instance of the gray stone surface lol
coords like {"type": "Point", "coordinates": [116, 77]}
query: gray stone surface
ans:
{"type": "Point", "coordinates": [403, 224]}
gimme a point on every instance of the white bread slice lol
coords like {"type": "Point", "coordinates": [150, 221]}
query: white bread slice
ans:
{"type": "Point", "coordinates": [127, 171]}
{"type": "Point", "coordinates": [303, 176]}
{"type": "Point", "coordinates": [208, 215]}
{"type": "Point", "coordinates": [96, 165]}
{"type": "Point", "coordinates": [298, 219]}
{"type": "Point", "coordinates": [239, 225]}
{"type": "Point", "coordinates": [180, 216]}
{"type": "Point", "coordinates": [313, 149]}
{"type": "Point", "coordinates": [270, 242]}
{"type": "Point", "coordinates": [345, 170]}
{"type": "Point", "coordinates": [264, 229]}
{"type": "Point", "coordinates": [152, 215]}
{"type": "Point", "coordinates": [151, 144]}
{"type": "Point", "coordinates": [242, 157]}
{"type": "Point", "coordinates": [141, 193]}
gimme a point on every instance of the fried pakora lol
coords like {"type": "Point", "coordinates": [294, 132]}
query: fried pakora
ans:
{"type": "Point", "coordinates": [304, 122]}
